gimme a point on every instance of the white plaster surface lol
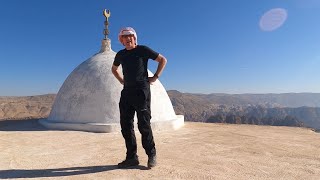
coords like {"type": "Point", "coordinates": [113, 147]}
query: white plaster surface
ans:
{"type": "Point", "coordinates": [88, 99]}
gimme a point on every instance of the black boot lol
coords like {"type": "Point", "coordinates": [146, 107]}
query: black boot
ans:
{"type": "Point", "coordinates": [152, 161]}
{"type": "Point", "coordinates": [129, 162]}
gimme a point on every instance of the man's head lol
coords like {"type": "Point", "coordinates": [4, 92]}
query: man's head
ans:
{"type": "Point", "coordinates": [128, 37]}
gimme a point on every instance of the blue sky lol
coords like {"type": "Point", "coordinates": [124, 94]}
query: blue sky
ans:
{"type": "Point", "coordinates": [212, 46]}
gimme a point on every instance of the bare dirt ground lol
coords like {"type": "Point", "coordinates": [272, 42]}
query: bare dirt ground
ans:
{"type": "Point", "coordinates": [197, 151]}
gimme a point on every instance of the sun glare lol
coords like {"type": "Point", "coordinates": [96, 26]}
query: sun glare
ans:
{"type": "Point", "coordinates": [273, 19]}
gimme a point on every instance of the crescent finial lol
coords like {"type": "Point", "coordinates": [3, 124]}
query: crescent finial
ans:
{"type": "Point", "coordinates": [106, 13]}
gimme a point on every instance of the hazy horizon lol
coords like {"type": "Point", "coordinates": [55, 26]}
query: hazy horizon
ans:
{"type": "Point", "coordinates": [180, 92]}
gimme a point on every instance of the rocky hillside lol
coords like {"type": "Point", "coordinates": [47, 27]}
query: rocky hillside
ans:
{"type": "Point", "coordinates": [28, 107]}
{"type": "Point", "coordinates": [267, 100]}
{"type": "Point", "coordinates": [265, 109]}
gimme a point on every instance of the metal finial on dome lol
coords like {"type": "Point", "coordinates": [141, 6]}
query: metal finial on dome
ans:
{"type": "Point", "coordinates": [106, 43]}
{"type": "Point", "coordinates": [106, 14]}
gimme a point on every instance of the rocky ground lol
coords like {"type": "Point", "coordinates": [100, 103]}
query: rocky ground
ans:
{"type": "Point", "coordinates": [196, 151]}
{"type": "Point", "coordinates": [27, 107]}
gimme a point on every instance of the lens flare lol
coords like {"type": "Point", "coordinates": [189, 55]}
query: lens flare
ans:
{"type": "Point", "coordinates": [273, 19]}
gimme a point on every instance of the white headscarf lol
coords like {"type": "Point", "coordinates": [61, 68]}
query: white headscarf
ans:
{"type": "Point", "coordinates": [127, 31]}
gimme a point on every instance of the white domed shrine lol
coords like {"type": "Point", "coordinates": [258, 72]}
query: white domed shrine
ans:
{"type": "Point", "coordinates": [88, 99]}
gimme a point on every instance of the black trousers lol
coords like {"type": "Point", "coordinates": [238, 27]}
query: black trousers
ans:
{"type": "Point", "coordinates": [136, 100]}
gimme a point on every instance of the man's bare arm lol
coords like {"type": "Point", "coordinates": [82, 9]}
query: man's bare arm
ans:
{"type": "Point", "coordinates": [116, 73]}
{"type": "Point", "coordinates": [162, 61]}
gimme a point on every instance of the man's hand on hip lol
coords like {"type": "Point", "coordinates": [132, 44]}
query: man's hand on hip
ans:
{"type": "Point", "coordinates": [153, 79]}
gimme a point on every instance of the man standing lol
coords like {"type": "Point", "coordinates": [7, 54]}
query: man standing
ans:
{"type": "Point", "coordinates": [135, 96]}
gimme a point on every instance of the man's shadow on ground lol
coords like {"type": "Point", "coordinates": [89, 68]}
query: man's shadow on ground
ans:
{"type": "Point", "coordinates": [21, 125]}
{"type": "Point", "coordinates": [40, 173]}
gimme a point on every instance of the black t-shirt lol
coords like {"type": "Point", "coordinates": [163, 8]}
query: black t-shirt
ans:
{"type": "Point", "coordinates": [135, 64]}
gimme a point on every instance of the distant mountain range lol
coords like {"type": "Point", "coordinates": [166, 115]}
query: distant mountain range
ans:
{"type": "Point", "coordinates": [289, 109]}
{"type": "Point", "coordinates": [270, 100]}
{"type": "Point", "coordinates": [292, 109]}
{"type": "Point", "coordinates": [26, 107]}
